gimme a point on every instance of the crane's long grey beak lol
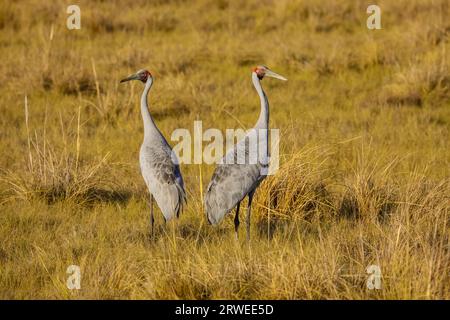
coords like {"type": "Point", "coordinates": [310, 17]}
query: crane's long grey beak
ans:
{"type": "Point", "coordinates": [270, 73]}
{"type": "Point", "coordinates": [131, 77]}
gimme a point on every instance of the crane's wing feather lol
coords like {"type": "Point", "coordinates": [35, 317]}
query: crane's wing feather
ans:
{"type": "Point", "coordinates": [230, 183]}
{"type": "Point", "coordinates": [163, 178]}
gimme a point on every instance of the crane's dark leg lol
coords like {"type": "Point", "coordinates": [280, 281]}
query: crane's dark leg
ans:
{"type": "Point", "coordinates": [236, 220]}
{"type": "Point", "coordinates": [152, 218]}
{"type": "Point", "coordinates": [249, 210]}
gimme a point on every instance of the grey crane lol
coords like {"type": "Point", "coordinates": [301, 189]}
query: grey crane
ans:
{"type": "Point", "coordinates": [159, 165]}
{"type": "Point", "coordinates": [243, 167]}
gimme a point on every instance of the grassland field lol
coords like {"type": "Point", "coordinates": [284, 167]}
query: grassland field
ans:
{"type": "Point", "coordinates": [364, 148]}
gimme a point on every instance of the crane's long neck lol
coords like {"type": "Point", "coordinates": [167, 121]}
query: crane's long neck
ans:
{"type": "Point", "coordinates": [262, 125]}
{"type": "Point", "coordinates": [263, 120]}
{"type": "Point", "coordinates": [150, 129]}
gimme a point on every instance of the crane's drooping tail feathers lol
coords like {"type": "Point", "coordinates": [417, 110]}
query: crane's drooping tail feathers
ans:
{"type": "Point", "coordinates": [214, 211]}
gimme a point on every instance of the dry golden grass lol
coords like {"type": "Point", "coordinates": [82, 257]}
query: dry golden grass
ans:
{"type": "Point", "coordinates": [364, 176]}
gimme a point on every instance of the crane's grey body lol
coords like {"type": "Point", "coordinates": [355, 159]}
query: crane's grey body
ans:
{"type": "Point", "coordinates": [162, 177]}
{"type": "Point", "coordinates": [159, 165]}
{"type": "Point", "coordinates": [233, 180]}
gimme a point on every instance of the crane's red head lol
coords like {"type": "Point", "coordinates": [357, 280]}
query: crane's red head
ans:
{"type": "Point", "coordinates": [262, 71]}
{"type": "Point", "coordinates": [141, 75]}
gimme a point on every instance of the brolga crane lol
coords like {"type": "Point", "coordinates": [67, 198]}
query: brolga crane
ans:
{"type": "Point", "coordinates": [243, 167]}
{"type": "Point", "coordinates": [159, 165]}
